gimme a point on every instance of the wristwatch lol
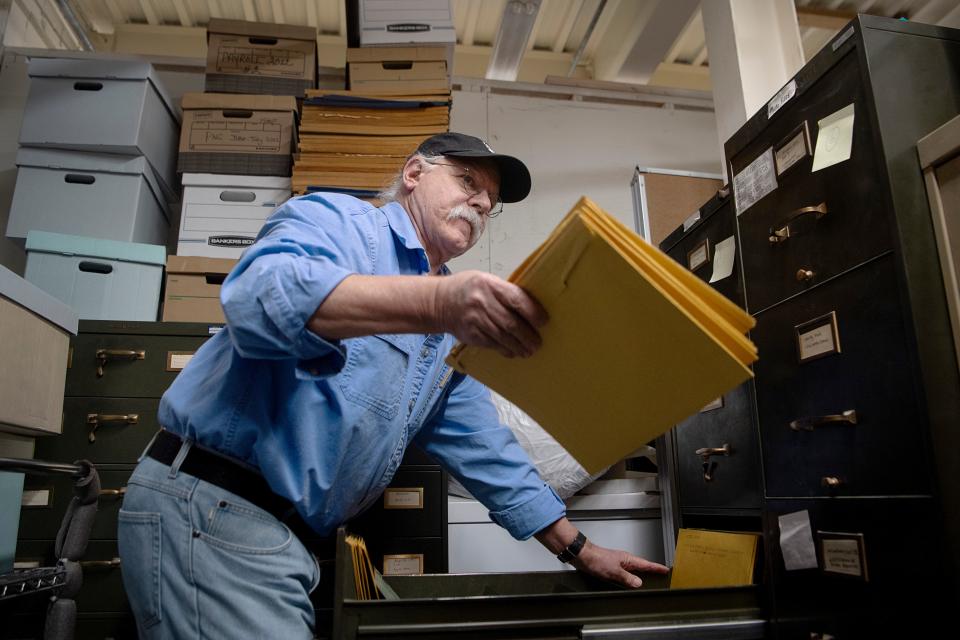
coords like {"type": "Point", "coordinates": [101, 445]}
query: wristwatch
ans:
{"type": "Point", "coordinates": [571, 552]}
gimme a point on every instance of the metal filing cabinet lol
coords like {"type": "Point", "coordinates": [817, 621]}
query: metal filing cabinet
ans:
{"type": "Point", "coordinates": [116, 373]}
{"type": "Point", "coordinates": [857, 388]}
{"type": "Point", "coordinates": [717, 458]}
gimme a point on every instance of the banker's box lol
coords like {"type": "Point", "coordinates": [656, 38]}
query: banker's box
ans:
{"type": "Point", "coordinates": [100, 279]}
{"type": "Point", "coordinates": [106, 106]}
{"type": "Point", "coordinates": [100, 195]}
{"type": "Point", "coordinates": [237, 134]}
{"type": "Point", "coordinates": [392, 22]}
{"type": "Point", "coordinates": [35, 333]}
{"type": "Point", "coordinates": [417, 68]}
{"type": "Point", "coordinates": [222, 214]}
{"type": "Point", "coordinates": [193, 288]}
{"type": "Point", "coordinates": [261, 58]}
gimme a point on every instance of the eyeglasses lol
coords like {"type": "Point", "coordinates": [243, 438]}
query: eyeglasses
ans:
{"type": "Point", "coordinates": [469, 185]}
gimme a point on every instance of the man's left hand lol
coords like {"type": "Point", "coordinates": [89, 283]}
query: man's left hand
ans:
{"type": "Point", "coordinates": [615, 566]}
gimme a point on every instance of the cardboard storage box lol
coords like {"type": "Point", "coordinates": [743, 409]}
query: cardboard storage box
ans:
{"type": "Point", "coordinates": [100, 279]}
{"type": "Point", "coordinates": [193, 289]}
{"type": "Point", "coordinates": [256, 57]}
{"type": "Point", "coordinates": [222, 214]}
{"type": "Point", "coordinates": [414, 68]}
{"type": "Point", "coordinates": [88, 194]}
{"type": "Point", "coordinates": [237, 134]}
{"type": "Point", "coordinates": [405, 21]}
{"type": "Point", "coordinates": [107, 106]}
{"type": "Point", "coordinates": [35, 333]}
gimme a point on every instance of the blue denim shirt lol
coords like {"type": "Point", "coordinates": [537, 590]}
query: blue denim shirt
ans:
{"type": "Point", "coordinates": [327, 422]}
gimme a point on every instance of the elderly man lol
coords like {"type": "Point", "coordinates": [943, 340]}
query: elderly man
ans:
{"type": "Point", "coordinates": [330, 365]}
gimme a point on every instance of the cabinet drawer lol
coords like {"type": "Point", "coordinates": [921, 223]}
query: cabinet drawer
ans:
{"type": "Point", "coordinates": [403, 556]}
{"type": "Point", "coordinates": [730, 480]}
{"type": "Point", "coordinates": [697, 251]}
{"type": "Point", "coordinates": [46, 499]}
{"type": "Point", "coordinates": [801, 402]}
{"type": "Point", "coordinates": [120, 429]}
{"type": "Point", "coordinates": [102, 590]}
{"type": "Point", "coordinates": [127, 365]}
{"type": "Point", "coordinates": [412, 506]}
{"type": "Point", "coordinates": [811, 246]}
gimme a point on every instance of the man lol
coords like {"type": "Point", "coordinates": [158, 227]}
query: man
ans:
{"type": "Point", "coordinates": [330, 365]}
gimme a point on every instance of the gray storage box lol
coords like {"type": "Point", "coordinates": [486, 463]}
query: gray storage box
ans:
{"type": "Point", "coordinates": [88, 194]}
{"type": "Point", "coordinates": [100, 279]}
{"type": "Point", "coordinates": [109, 106]}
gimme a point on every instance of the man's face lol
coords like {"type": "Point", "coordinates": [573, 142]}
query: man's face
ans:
{"type": "Point", "coordinates": [455, 197]}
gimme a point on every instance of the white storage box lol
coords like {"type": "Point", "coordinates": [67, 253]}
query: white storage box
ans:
{"type": "Point", "coordinates": [35, 333]}
{"type": "Point", "coordinates": [87, 194]}
{"type": "Point", "coordinates": [108, 106]}
{"type": "Point", "coordinates": [222, 214]}
{"type": "Point", "coordinates": [389, 22]}
{"type": "Point", "coordinates": [100, 279]}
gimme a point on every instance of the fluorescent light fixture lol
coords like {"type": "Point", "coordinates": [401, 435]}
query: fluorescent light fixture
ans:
{"type": "Point", "coordinates": [511, 43]}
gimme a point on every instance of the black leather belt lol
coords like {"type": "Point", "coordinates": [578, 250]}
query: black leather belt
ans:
{"type": "Point", "coordinates": [230, 475]}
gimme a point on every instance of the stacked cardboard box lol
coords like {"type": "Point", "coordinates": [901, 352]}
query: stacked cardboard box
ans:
{"type": "Point", "coordinates": [97, 167]}
{"type": "Point", "coordinates": [355, 141]}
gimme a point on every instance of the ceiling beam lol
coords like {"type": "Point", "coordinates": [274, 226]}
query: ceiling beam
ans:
{"type": "Point", "coordinates": [278, 15]}
{"type": "Point", "coordinates": [701, 57]}
{"type": "Point", "coordinates": [823, 18]}
{"type": "Point", "coordinates": [149, 13]}
{"type": "Point", "coordinates": [569, 19]}
{"type": "Point", "coordinates": [249, 11]}
{"type": "Point", "coordinates": [185, 19]}
{"type": "Point", "coordinates": [116, 16]}
{"type": "Point", "coordinates": [473, 16]}
{"type": "Point", "coordinates": [312, 13]}
{"type": "Point", "coordinates": [669, 19]}
{"type": "Point", "coordinates": [532, 39]}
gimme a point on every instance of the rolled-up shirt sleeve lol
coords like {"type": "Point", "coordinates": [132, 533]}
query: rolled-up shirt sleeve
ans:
{"type": "Point", "coordinates": [304, 250]}
{"type": "Point", "coordinates": [469, 440]}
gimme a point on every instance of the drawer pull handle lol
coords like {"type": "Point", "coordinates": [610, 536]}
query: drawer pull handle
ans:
{"type": "Point", "coordinates": [706, 452]}
{"type": "Point", "coordinates": [805, 275]}
{"type": "Point", "coordinates": [100, 564]}
{"type": "Point", "coordinates": [807, 424]}
{"type": "Point", "coordinates": [122, 491]}
{"type": "Point", "coordinates": [709, 466]}
{"type": "Point", "coordinates": [96, 419]}
{"type": "Point", "coordinates": [781, 233]}
{"type": "Point", "coordinates": [831, 482]}
{"type": "Point", "coordinates": [103, 355]}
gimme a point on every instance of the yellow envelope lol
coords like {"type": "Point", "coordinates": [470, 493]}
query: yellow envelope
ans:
{"type": "Point", "coordinates": [635, 342]}
{"type": "Point", "coordinates": [713, 559]}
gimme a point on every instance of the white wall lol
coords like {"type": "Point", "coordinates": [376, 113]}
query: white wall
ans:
{"type": "Point", "coordinates": [574, 148]}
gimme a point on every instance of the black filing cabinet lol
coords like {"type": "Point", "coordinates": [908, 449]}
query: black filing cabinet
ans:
{"type": "Point", "coordinates": [856, 387]}
{"type": "Point", "coordinates": [716, 450]}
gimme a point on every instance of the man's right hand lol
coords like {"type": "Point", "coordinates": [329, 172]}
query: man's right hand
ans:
{"type": "Point", "coordinates": [483, 310]}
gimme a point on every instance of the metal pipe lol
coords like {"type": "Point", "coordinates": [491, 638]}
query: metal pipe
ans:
{"type": "Point", "coordinates": [586, 37]}
{"type": "Point", "coordinates": [75, 25]}
{"type": "Point", "coordinates": [17, 465]}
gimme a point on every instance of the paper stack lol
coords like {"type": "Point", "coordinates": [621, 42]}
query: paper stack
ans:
{"type": "Point", "coordinates": [357, 141]}
{"type": "Point", "coordinates": [635, 342]}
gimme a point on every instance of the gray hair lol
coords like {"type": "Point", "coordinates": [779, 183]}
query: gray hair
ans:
{"type": "Point", "coordinates": [392, 191]}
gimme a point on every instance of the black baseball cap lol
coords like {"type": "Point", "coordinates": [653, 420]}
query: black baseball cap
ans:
{"type": "Point", "coordinates": [514, 176]}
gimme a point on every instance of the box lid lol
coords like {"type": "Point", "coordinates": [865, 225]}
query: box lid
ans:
{"type": "Point", "coordinates": [228, 181]}
{"type": "Point", "coordinates": [253, 102]}
{"type": "Point", "coordinates": [261, 29]}
{"type": "Point", "coordinates": [83, 161]}
{"type": "Point", "coordinates": [103, 69]}
{"type": "Point", "coordinates": [47, 242]}
{"type": "Point", "coordinates": [199, 265]}
{"type": "Point", "coordinates": [34, 299]}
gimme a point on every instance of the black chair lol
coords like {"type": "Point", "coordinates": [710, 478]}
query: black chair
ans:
{"type": "Point", "coordinates": [63, 581]}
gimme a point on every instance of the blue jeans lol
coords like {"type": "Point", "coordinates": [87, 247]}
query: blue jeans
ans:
{"type": "Point", "coordinates": [201, 562]}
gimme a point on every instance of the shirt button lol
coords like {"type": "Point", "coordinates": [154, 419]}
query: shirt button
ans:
{"type": "Point", "coordinates": [424, 353]}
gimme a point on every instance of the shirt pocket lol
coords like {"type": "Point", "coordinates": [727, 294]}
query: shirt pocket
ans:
{"type": "Point", "coordinates": [375, 374]}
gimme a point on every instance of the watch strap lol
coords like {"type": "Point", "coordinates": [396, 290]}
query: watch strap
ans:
{"type": "Point", "coordinates": [572, 551]}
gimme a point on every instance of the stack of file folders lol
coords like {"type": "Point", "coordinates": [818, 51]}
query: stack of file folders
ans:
{"type": "Point", "coordinates": [355, 142]}
{"type": "Point", "coordinates": [635, 342]}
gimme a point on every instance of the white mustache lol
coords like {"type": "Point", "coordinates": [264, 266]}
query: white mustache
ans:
{"type": "Point", "coordinates": [474, 219]}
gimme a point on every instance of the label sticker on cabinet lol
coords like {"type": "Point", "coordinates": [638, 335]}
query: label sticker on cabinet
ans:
{"type": "Point", "coordinates": [755, 181]}
{"type": "Point", "coordinates": [834, 139]}
{"type": "Point", "coordinates": [177, 360]}
{"type": "Point", "coordinates": [843, 553]}
{"type": "Point", "coordinates": [794, 149]}
{"type": "Point", "coordinates": [699, 255]}
{"type": "Point", "coordinates": [409, 564]}
{"type": "Point", "coordinates": [405, 498]}
{"type": "Point", "coordinates": [36, 498]}
{"type": "Point", "coordinates": [818, 337]}
{"type": "Point", "coordinates": [783, 97]}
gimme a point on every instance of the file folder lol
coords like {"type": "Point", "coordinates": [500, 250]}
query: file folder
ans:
{"type": "Point", "coordinates": [635, 342]}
